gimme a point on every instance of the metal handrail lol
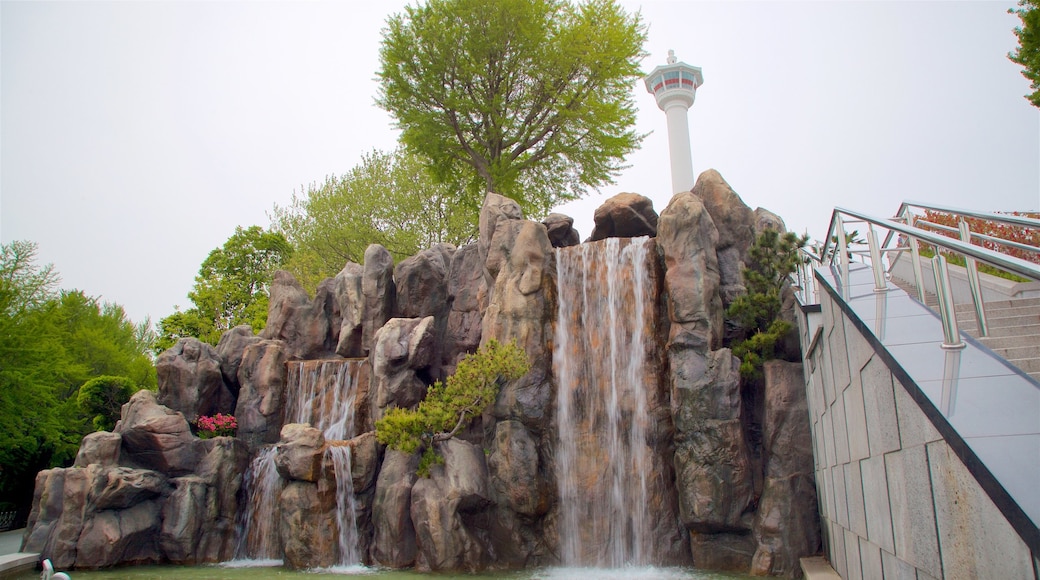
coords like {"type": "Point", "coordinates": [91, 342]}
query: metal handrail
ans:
{"type": "Point", "coordinates": [904, 211]}
{"type": "Point", "coordinates": [913, 236]}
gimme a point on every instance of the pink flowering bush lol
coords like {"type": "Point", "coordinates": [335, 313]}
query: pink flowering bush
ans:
{"type": "Point", "coordinates": [218, 425]}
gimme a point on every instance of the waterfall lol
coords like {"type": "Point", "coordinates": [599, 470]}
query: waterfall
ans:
{"type": "Point", "coordinates": [602, 455]}
{"type": "Point", "coordinates": [260, 539]}
{"type": "Point", "coordinates": [346, 504]}
{"type": "Point", "coordinates": [322, 393]}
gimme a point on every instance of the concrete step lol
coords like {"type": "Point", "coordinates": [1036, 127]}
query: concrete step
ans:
{"type": "Point", "coordinates": [1033, 303]}
{"type": "Point", "coordinates": [1026, 312]}
{"type": "Point", "coordinates": [999, 331]}
{"type": "Point", "coordinates": [1004, 342]}
{"type": "Point", "coordinates": [1028, 365]}
{"type": "Point", "coordinates": [1026, 351]}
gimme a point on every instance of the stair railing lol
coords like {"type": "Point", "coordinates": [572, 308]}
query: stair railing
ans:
{"type": "Point", "coordinates": [903, 234]}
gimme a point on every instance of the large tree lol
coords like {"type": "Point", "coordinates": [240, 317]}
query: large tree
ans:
{"type": "Point", "coordinates": [52, 342]}
{"type": "Point", "coordinates": [1028, 53]}
{"type": "Point", "coordinates": [231, 288]}
{"type": "Point", "coordinates": [389, 199]}
{"type": "Point", "coordinates": [528, 98]}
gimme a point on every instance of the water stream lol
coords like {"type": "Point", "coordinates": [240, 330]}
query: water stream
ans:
{"type": "Point", "coordinates": [322, 393]}
{"type": "Point", "coordinates": [602, 457]}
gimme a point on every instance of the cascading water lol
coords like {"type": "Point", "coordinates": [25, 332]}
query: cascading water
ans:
{"type": "Point", "coordinates": [602, 456]}
{"type": "Point", "coordinates": [260, 540]}
{"type": "Point", "coordinates": [322, 393]}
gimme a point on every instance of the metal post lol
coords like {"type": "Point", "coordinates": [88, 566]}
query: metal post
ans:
{"type": "Point", "coordinates": [843, 256]}
{"type": "Point", "coordinates": [915, 254]}
{"type": "Point", "coordinates": [973, 282]}
{"type": "Point", "coordinates": [875, 261]}
{"type": "Point", "coordinates": [952, 335]}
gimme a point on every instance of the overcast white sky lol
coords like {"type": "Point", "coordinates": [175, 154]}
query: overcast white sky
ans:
{"type": "Point", "coordinates": [135, 136]}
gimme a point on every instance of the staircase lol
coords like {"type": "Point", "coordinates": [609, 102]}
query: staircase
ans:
{"type": "Point", "coordinates": [1014, 327]}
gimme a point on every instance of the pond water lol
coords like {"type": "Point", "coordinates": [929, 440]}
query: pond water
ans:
{"type": "Point", "coordinates": [241, 571]}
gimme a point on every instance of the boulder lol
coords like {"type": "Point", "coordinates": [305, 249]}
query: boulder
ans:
{"type": "Point", "coordinates": [496, 208]}
{"type": "Point", "coordinates": [443, 539]}
{"type": "Point", "coordinates": [157, 437]}
{"type": "Point", "coordinates": [422, 291]}
{"type": "Point", "coordinates": [514, 468]}
{"type": "Point", "coordinates": [403, 348]}
{"type": "Point", "coordinates": [522, 309]}
{"type": "Point", "coordinates": [183, 519]}
{"type": "Point", "coordinates": [687, 237]}
{"type": "Point", "coordinates": [46, 510]}
{"type": "Point", "coordinates": [307, 510]}
{"type": "Point", "coordinates": [704, 387]}
{"type": "Point", "coordinates": [730, 552]}
{"type": "Point", "coordinates": [714, 477]}
{"type": "Point", "coordinates": [117, 488]}
{"type": "Point", "coordinates": [786, 527]}
{"type": "Point", "coordinates": [467, 294]}
{"type": "Point", "coordinates": [394, 543]}
{"type": "Point", "coordinates": [736, 226]}
{"type": "Point", "coordinates": [261, 402]}
{"type": "Point", "coordinates": [306, 326]}
{"type": "Point", "coordinates": [561, 232]}
{"type": "Point", "coordinates": [129, 536]}
{"type": "Point", "coordinates": [351, 303]}
{"type": "Point", "coordinates": [366, 456]}
{"type": "Point", "coordinates": [231, 347]}
{"type": "Point", "coordinates": [299, 453]}
{"type": "Point", "coordinates": [626, 215]}
{"type": "Point", "coordinates": [101, 448]}
{"type": "Point", "coordinates": [190, 380]}
{"type": "Point", "coordinates": [767, 220]}
{"type": "Point", "coordinates": [379, 291]}
{"type": "Point", "coordinates": [225, 461]}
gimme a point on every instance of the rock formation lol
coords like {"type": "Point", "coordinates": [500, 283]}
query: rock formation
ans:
{"type": "Point", "coordinates": [726, 465]}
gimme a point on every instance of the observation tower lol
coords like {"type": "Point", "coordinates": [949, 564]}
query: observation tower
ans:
{"type": "Point", "coordinates": [674, 85]}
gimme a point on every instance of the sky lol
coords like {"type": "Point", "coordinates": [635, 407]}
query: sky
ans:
{"type": "Point", "coordinates": [136, 135]}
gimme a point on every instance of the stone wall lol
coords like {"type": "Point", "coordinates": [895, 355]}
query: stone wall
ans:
{"type": "Point", "coordinates": [896, 500]}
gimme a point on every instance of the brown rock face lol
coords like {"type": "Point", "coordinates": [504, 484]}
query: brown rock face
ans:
{"type": "Point", "coordinates": [467, 293]}
{"type": "Point", "coordinates": [190, 380]}
{"type": "Point", "coordinates": [736, 225]}
{"type": "Point", "coordinates": [403, 348]}
{"type": "Point", "coordinates": [261, 402]}
{"type": "Point", "coordinates": [560, 229]}
{"type": "Point", "coordinates": [309, 328]}
{"type": "Point", "coordinates": [379, 291]}
{"type": "Point", "coordinates": [394, 543]}
{"type": "Point", "coordinates": [767, 220]}
{"type": "Point", "coordinates": [100, 447]}
{"type": "Point", "coordinates": [231, 347]}
{"type": "Point", "coordinates": [307, 509]}
{"type": "Point", "coordinates": [299, 453]}
{"type": "Point", "coordinates": [687, 238]}
{"type": "Point", "coordinates": [350, 302]}
{"type": "Point", "coordinates": [422, 291]}
{"type": "Point", "coordinates": [156, 437]}
{"type": "Point", "coordinates": [786, 525]}
{"type": "Point", "coordinates": [515, 471]}
{"type": "Point", "coordinates": [522, 309]}
{"type": "Point", "coordinates": [496, 209]}
{"type": "Point", "coordinates": [128, 536]}
{"type": "Point", "coordinates": [439, 504]}
{"type": "Point", "coordinates": [626, 215]}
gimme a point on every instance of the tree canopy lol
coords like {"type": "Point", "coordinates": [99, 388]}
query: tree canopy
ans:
{"type": "Point", "coordinates": [531, 99]}
{"type": "Point", "coordinates": [389, 199]}
{"type": "Point", "coordinates": [1028, 52]}
{"type": "Point", "coordinates": [51, 342]}
{"type": "Point", "coordinates": [231, 288]}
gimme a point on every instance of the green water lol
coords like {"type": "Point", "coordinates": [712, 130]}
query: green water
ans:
{"type": "Point", "coordinates": [266, 573]}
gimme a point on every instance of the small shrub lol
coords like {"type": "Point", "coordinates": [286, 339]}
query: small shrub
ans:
{"type": "Point", "coordinates": [451, 405]}
{"type": "Point", "coordinates": [218, 425]}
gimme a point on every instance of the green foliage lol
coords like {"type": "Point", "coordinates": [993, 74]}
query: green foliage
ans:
{"type": "Point", "coordinates": [531, 99]}
{"type": "Point", "coordinates": [388, 199]}
{"type": "Point", "coordinates": [231, 288]}
{"type": "Point", "coordinates": [51, 343]}
{"type": "Point", "coordinates": [771, 259]}
{"type": "Point", "coordinates": [1028, 52]}
{"type": "Point", "coordinates": [451, 405]}
{"type": "Point", "coordinates": [104, 397]}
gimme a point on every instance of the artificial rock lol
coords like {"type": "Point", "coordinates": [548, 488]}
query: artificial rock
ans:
{"type": "Point", "coordinates": [626, 215]}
